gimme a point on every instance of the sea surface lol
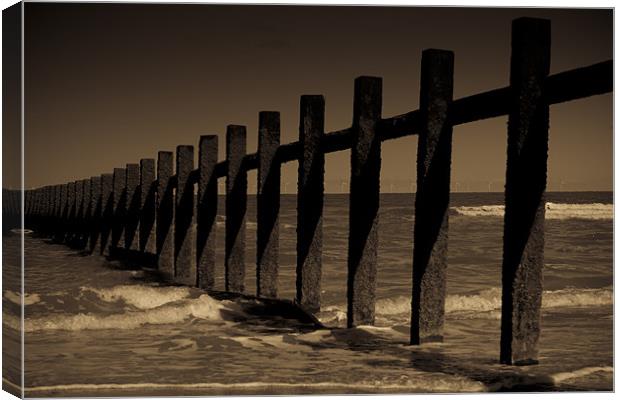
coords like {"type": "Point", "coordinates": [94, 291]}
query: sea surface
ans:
{"type": "Point", "coordinates": [95, 328]}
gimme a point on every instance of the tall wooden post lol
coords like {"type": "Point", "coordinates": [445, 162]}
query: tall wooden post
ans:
{"type": "Point", "coordinates": [364, 202]}
{"type": "Point", "coordinates": [147, 206]}
{"type": "Point", "coordinates": [185, 228]}
{"type": "Point", "coordinates": [236, 205]}
{"type": "Point", "coordinates": [268, 205]}
{"type": "Point", "coordinates": [27, 207]}
{"type": "Point", "coordinates": [64, 213]}
{"type": "Point", "coordinates": [526, 180]}
{"type": "Point", "coordinates": [107, 213]}
{"type": "Point", "coordinates": [86, 214]}
{"type": "Point", "coordinates": [119, 207]}
{"type": "Point", "coordinates": [71, 212]}
{"type": "Point", "coordinates": [132, 195]}
{"type": "Point", "coordinates": [310, 187]}
{"type": "Point", "coordinates": [206, 211]}
{"type": "Point", "coordinates": [79, 214]}
{"type": "Point", "coordinates": [430, 249]}
{"type": "Point", "coordinates": [57, 212]}
{"type": "Point", "coordinates": [95, 222]}
{"type": "Point", "coordinates": [165, 215]}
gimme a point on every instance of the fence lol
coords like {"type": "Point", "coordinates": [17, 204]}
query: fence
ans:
{"type": "Point", "coordinates": [150, 208]}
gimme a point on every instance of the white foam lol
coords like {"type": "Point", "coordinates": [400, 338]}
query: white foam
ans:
{"type": "Point", "coordinates": [564, 376]}
{"type": "Point", "coordinates": [443, 383]}
{"type": "Point", "coordinates": [16, 298]}
{"type": "Point", "coordinates": [490, 300]}
{"type": "Point", "coordinates": [139, 296]}
{"type": "Point", "coordinates": [594, 211]}
{"type": "Point", "coordinates": [203, 307]}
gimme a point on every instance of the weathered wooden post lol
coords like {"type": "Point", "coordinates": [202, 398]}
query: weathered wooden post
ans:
{"type": "Point", "coordinates": [48, 208]}
{"type": "Point", "coordinates": [39, 210]}
{"type": "Point", "coordinates": [44, 206]}
{"type": "Point", "coordinates": [310, 187]}
{"type": "Point", "coordinates": [45, 209]}
{"type": "Point", "coordinates": [119, 196]}
{"type": "Point", "coordinates": [86, 214]}
{"type": "Point", "coordinates": [206, 211]}
{"type": "Point", "coordinates": [57, 212]}
{"type": "Point", "coordinates": [70, 213]}
{"type": "Point", "coordinates": [64, 214]}
{"type": "Point", "coordinates": [526, 180]}
{"type": "Point", "coordinates": [107, 212]}
{"type": "Point", "coordinates": [132, 195]}
{"type": "Point", "coordinates": [430, 248]}
{"type": "Point", "coordinates": [364, 202]}
{"type": "Point", "coordinates": [185, 228]}
{"type": "Point", "coordinates": [94, 237]}
{"type": "Point", "coordinates": [268, 205]}
{"type": "Point", "coordinates": [147, 206]}
{"type": "Point", "coordinates": [165, 215]}
{"type": "Point", "coordinates": [27, 207]}
{"type": "Point", "coordinates": [79, 214]}
{"type": "Point", "coordinates": [236, 205]}
{"type": "Point", "coordinates": [51, 231]}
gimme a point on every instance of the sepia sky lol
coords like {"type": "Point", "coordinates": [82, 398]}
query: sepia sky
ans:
{"type": "Point", "coordinates": [108, 84]}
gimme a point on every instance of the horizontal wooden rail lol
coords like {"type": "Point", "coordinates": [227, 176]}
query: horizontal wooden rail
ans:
{"type": "Point", "coordinates": [562, 87]}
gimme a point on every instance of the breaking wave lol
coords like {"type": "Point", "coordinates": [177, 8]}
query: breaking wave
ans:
{"type": "Point", "coordinates": [484, 304]}
{"type": "Point", "coordinates": [148, 306]}
{"type": "Point", "coordinates": [593, 211]}
{"type": "Point", "coordinates": [142, 297]}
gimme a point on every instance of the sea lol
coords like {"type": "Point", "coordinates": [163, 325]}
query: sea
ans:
{"type": "Point", "coordinates": [94, 327]}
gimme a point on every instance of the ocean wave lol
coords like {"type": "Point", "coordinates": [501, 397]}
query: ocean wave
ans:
{"type": "Point", "coordinates": [511, 381]}
{"type": "Point", "coordinates": [139, 296]}
{"type": "Point", "coordinates": [16, 298]}
{"type": "Point", "coordinates": [485, 304]}
{"type": "Point", "coordinates": [593, 211]}
{"type": "Point", "coordinates": [440, 383]}
{"type": "Point", "coordinates": [203, 307]}
{"type": "Point", "coordinates": [437, 383]}
{"type": "Point", "coordinates": [579, 373]}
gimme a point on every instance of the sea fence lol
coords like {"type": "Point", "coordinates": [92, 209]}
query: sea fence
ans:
{"type": "Point", "coordinates": [165, 210]}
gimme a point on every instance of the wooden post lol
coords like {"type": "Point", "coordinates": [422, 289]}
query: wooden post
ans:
{"type": "Point", "coordinates": [71, 212]}
{"type": "Point", "coordinates": [430, 248]}
{"type": "Point", "coordinates": [27, 207]}
{"type": "Point", "coordinates": [165, 215]}
{"type": "Point", "coordinates": [526, 180]}
{"type": "Point", "coordinates": [64, 214]}
{"type": "Point", "coordinates": [57, 212]}
{"type": "Point", "coordinates": [268, 205]}
{"type": "Point", "coordinates": [86, 213]}
{"type": "Point", "coordinates": [119, 196]}
{"type": "Point", "coordinates": [185, 228]}
{"type": "Point", "coordinates": [310, 187]}
{"type": "Point", "coordinates": [147, 206]}
{"type": "Point", "coordinates": [236, 204]}
{"type": "Point", "coordinates": [79, 214]}
{"type": "Point", "coordinates": [132, 183]}
{"type": "Point", "coordinates": [107, 212]}
{"type": "Point", "coordinates": [52, 213]}
{"type": "Point", "coordinates": [206, 211]}
{"type": "Point", "coordinates": [46, 209]}
{"type": "Point", "coordinates": [94, 237]}
{"type": "Point", "coordinates": [364, 202]}
{"type": "Point", "coordinates": [39, 209]}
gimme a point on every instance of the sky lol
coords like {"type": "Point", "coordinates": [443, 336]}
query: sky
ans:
{"type": "Point", "coordinates": [109, 84]}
